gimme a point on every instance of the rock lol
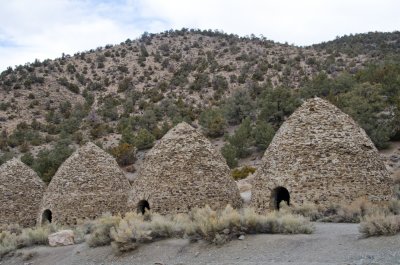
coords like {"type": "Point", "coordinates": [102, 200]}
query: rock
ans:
{"type": "Point", "coordinates": [246, 196]}
{"type": "Point", "coordinates": [61, 238]}
{"type": "Point", "coordinates": [226, 231]}
{"type": "Point", "coordinates": [241, 237]}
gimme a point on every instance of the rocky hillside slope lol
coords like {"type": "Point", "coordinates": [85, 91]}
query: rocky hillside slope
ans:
{"type": "Point", "coordinates": [133, 92]}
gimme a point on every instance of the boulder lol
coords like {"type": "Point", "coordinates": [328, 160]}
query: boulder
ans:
{"type": "Point", "coordinates": [61, 238]}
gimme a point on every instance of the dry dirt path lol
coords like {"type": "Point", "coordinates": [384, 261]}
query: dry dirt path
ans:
{"type": "Point", "coordinates": [330, 244]}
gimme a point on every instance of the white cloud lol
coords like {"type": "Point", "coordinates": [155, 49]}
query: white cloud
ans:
{"type": "Point", "coordinates": [46, 28]}
{"type": "Point", "coordinates": [300, 22]}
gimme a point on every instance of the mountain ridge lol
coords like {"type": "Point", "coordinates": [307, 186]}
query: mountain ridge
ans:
{"type": "Point", "coordinates": [148, 84]}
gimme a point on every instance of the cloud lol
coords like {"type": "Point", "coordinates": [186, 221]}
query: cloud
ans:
{"type": "Point", "coordinates": [46, 28]}
{"type": "Point", "coordinates": [300, 22]}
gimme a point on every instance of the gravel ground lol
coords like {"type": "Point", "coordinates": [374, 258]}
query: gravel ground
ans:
{"type": "Point", "coordinates": [330, 244]}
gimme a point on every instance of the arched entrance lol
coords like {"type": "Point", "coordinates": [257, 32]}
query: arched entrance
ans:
{"type": "Point", "coordinates": [46, 217]}
{"type": "Point", "coordinates": [142, 206]}
{"type": "Point", "coordinates": [278, 195]}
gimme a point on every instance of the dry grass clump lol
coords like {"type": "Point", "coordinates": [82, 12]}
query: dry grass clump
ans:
{"type": "Point", "coordinates": [345, 213]}
{"type": "Point", "coordinates": [12, 228]}
{"type": "Point", "coordinates": [8, 242]}
{"type": "Point", "coordinates": [135, 229]}
{"type": "Point", "coordinates": [100, 230]}
{"type": "Point", "coordinates": [13, 237]}
{"type": "Point", "coordinates": [221, 226]}
{"type": "Point", "coordinates": [241, 173]}
{"type": "Point", "coordinates": [394, 206]}
{"type": "Point", "coordinates": [396, 188]}
{"type": "Point", "coordinates": [308, 210]}
{"type": "Point", "coordinates": [380, 225]}
{"type": "Point", "coordinates": [214, 226]}
{"type": "Point", "coordinates": [350, 213]}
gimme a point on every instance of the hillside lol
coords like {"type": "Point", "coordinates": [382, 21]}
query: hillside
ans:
{"type": "Point", "coordinates": [124, 97]}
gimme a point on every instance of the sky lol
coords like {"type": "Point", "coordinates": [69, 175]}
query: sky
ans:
{"type": "Point", "coordinates": [44, 29]}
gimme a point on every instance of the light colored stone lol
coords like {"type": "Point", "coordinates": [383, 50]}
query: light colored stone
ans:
{"type": "Point", "coordinates": [88, 184]}
{"type": "Point", "coordinates": [241, 237]}
{"type": "Point", "coordinates": [246, 197]}
{"type": "Point", "coordinates": [21, 191]}
{"type": "Point", "coordinates": [61, 238]}
{"type": "Point", "coordinates": [320, 155]}
{"type": "Point", "coordinates": [183, 171]}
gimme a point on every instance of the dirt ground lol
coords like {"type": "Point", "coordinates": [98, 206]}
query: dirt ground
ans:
{"type": "Point", "coordinates": [330, 244]}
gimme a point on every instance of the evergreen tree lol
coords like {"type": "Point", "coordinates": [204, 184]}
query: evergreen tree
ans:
{"type": "Point", "coordinates": [263, 134]}
{"type": "Point", "coordinates": [213, 122]}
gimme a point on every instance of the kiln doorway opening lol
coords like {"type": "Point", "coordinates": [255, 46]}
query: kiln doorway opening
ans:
{"type": "Point", "coordinates": [142, 206]}
{"type": "Point", "coordinates": [278, 195]}
{"type": "Point", "coordinates": [46, 217]}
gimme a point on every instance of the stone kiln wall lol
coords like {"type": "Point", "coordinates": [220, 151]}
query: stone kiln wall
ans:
{"type": "Point", "coordinates": [86, 185]}
{"type": "Point", "coordinates": [21, 191]}
{"type": "Point", "coordinates": [321, 156]}
{"type": "Point", "coordinates": [184, 171]}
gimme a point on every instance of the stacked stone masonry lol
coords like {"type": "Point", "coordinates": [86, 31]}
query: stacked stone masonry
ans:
{"type": "Point", "coordinates": [88, 184]}
{"type": "Point", "coordinates": [184, 171]}
{"type": "Point", "coordinates": [320, 155]}
{"type": "Point", "coordinates": [21, 191]}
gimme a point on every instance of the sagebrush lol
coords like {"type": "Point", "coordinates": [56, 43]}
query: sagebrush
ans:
{"type": "Point", "coordinates": [13, 237]}
{"type": "Point", "coordinates": [216, 226]}
{"type": "Point", "coordinates": [380, 225]}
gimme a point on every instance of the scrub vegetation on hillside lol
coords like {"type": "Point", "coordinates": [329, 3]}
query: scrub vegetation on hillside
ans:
{"type": "Point", "coordinates": [238, 89]}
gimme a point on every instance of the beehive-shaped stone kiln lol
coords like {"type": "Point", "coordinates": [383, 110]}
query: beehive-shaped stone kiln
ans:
{"type": "Point", "coordinates": [86, 185]}
{"type": "Point", "coordinates": [320, 155]}
{"type": "Point", "coordinates": [21, 192]}
{"type": "Point", "coordinates": [181, 172]}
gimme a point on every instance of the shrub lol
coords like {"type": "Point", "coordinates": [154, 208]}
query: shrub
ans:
{"type": "Point", "coordinates": [71, 86]}
{"type": "Point", "coordinates": [241, 173]}
{"type": "Point", "coordinates": [308, 210]}
{"type": "Point", "coordinates": [13, 237]}
{"type": "Point", "coordinates": [216, 226]}
{"type": "Point", "coordinates": [394, 206]}
{"type": "Point", "coordinates": [241, 139]}
{"type": "Point", "coordinates": [34, 236]}
{"type": "Point", "coordinates": [263, 134]}
{"type": "Point", "coordinates": [397, 185]}
{"type": "Point", "coordinates": [238, 107]}
{"type": "Point", "coordinates": [342, 213]}
{"type": "Point", "coordinates": [213, 122]}
{"type": "Point", "coordinates": [100, 234]}
{"type": "Point", "coordinates": [144, 139]}
{"type": "Point", "coordinates": [229, 153]}
{"type": "Point", "coordinates": [135, 229]}
{"type": "Point", "coordinates": [98, 130]}
{"type": "Point", "coordinates": [8, 243]}
{"type": "Point", "coordinates": [380, 225]}
{"type": "Point", "coordinates": [219, 83]}
{"type": "Point", "coordinates": [48, 161]}
{"type": "Point", "coordinates": [125, 84]}
{"type": "Point", "coordinates": [124, 153]}
{"type": "Point", "coordinates": [201, 81]}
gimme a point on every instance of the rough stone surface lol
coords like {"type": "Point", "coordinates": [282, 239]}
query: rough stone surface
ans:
{"type": "Point", "coordinates": [321, 155]}
{"type": "Point", "coordinates": [86, 185]}
{"type": "Point", "coordinates": [184, 171]}
{"type": "Point", "coordinates": [61, 238]}
{"type": "Point", "coordinates": [21, 191]}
